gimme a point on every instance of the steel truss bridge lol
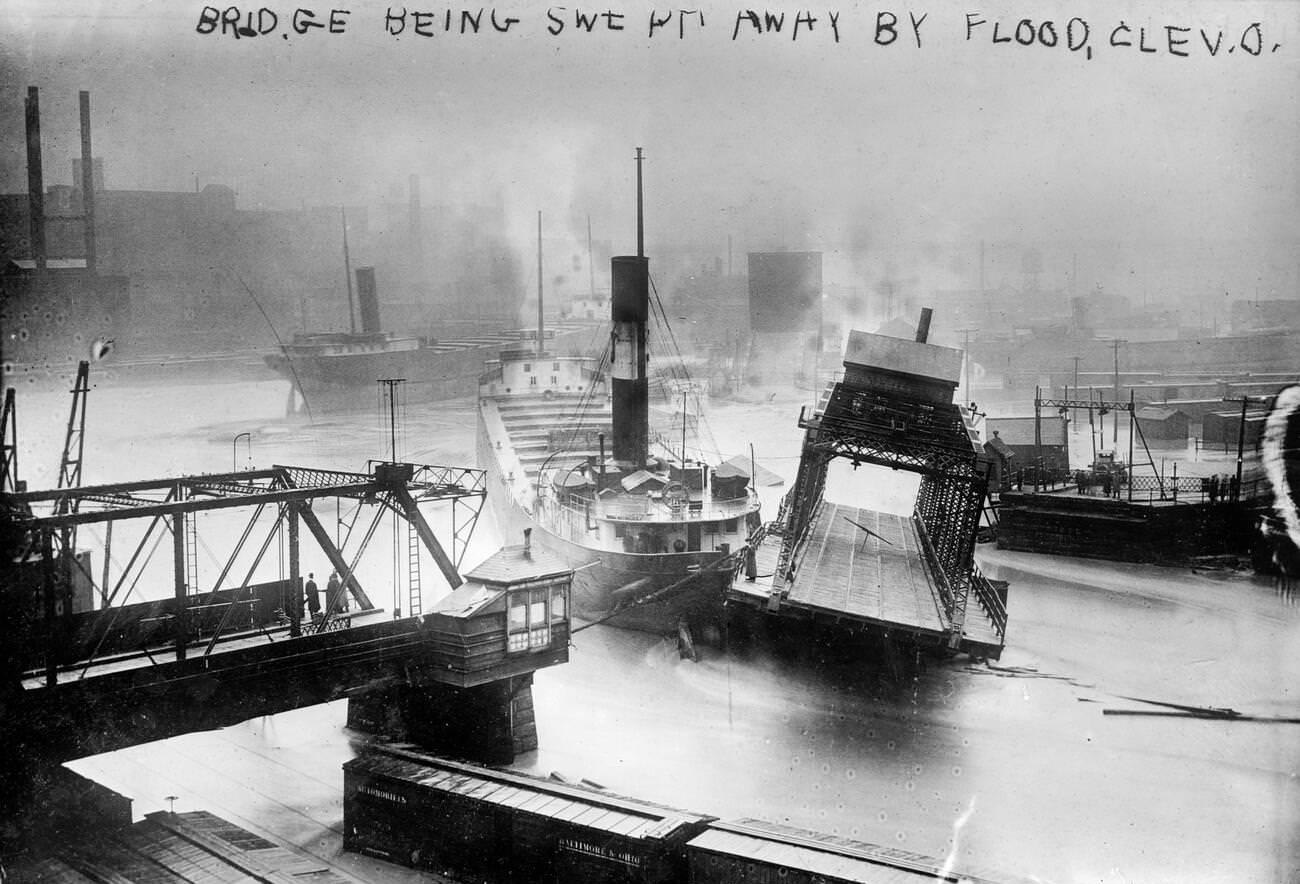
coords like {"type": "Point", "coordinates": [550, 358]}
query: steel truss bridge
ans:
{"type": "Point", "coordinates": [888, 428]}
{"type": "Point", "coordinates": [85, 670]}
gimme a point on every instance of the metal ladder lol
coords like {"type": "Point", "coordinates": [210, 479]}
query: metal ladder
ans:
{"type": "Point", "coordinates": [413, 605]}
{"type": "Point", "coordinates": [191, 552]}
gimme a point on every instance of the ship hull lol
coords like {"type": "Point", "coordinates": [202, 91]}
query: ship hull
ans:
{"type": "Point", "coordinates": [429, 376]}
{"type": "Point", "coordinates": [431, 373]}
{"type": "Point", "coordinates": [653, 592]}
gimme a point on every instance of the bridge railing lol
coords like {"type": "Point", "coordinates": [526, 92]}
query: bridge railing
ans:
{"type": "Point", "coordinates": [1222, 488]}
{"type": "Point", "coordinates": [1198, 489]}
{"type": "Point", "coordinates": [990, 600]}
{"type": "Point", "coordinates": [947, 596]}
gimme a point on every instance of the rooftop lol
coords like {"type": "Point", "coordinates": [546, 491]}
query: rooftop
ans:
{"type": "Point", "coordinates": [466, 600]}
{"type": "Point", "coordinates": [516, 564]}
{"type": "Point", "coordinates": [575, 805]}
{"type": "Point", "coordinates": [903, 356]}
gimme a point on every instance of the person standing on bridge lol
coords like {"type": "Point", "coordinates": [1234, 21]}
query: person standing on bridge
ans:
{"type": "Point", "coordinates": [313, 597]}
{"type": "Point", "coordinates": [334, 597]}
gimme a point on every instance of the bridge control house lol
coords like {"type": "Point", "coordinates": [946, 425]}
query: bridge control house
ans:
{"type": "Point", "coordinates": [486, 639]}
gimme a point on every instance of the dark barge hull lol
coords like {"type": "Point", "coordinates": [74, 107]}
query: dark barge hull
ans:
{"type": "Point", "coordinates": [1120, 531]}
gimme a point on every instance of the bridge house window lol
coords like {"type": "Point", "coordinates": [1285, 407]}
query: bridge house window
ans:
{"type": "Point", "coordinates": [531, 613]}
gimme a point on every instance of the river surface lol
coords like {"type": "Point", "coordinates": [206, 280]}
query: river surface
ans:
{"type": "Point", "coordinates": [1012, 767]}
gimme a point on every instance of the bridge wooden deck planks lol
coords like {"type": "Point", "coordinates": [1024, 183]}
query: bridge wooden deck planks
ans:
{"type": "Point", "coordinates": [847, 571]}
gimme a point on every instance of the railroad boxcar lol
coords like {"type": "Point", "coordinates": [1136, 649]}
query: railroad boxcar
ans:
{"type": "Point", "coordinates": [756, 852]}
{"type": "Point", "coordinates": [467, 820]}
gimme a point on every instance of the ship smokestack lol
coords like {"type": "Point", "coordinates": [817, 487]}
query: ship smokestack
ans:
{"type": "Point", "coordinates": [368, 297]}
{"type": "Point", "coordinates": [629, 310]}
{"type": "Point", "coordinates": [35, 179]}
{"type": "Point", "coordinates": [923, 327]}
{"type": "Point", "coordinates": [87, 184]}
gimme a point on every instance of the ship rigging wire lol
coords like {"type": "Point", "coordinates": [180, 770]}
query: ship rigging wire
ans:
{"type": "Point", "coordinates": [681, 372]}
{"type": "Point", "coordinates": [588, 399]}
{"type": "Point", "coordinates": [288, 360]}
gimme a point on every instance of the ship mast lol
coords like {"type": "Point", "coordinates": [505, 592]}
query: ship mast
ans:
{"type": "Point", "coordinates": [640, 216]}
{"type": "Point", "coordinates": [541, 323]}
{"type": "Point", "coordinates": [347, 271]}
{"type": "Point", "coordinates": [629, 310]}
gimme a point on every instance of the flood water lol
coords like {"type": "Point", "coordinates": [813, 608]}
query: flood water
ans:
{"type": "Point", "coordinates": [1012, 767]}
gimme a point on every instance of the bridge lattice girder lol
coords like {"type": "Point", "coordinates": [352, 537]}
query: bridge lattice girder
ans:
{"type": "Point", "coordinates": [189, 494]}
{"type": "Point", "coordinates": [889, 430]}
{"type": "Point", "coordinates": [44, 517]}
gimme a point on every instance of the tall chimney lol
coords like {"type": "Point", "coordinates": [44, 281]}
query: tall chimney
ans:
{"type": "Point", "coordinates": [528, 543]}
{"type": "Point", "coordinates": [923, 327]}
{"type": "Point", "coordinates": [415, 219]}
{"type": "Point", "coordinates": [87, 184]}
{"type": "Point", "coordinates": [35, 180]}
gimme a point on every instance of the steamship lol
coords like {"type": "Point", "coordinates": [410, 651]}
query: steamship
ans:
{"type": "Point", "coordinates": [332, 368]}
{"type": "Point", "coordinates": [568, 447]}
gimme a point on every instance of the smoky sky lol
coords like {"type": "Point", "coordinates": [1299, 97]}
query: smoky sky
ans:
{"type": "Point", "coordinates": [1187, 167]}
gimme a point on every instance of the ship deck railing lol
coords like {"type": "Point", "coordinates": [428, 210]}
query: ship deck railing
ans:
{"type": "Point", "coordinates": [647, 509]}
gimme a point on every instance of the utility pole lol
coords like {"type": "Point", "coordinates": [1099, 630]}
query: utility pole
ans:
{"type": "Point", "coordinates": [389, 390]}
{"type": "Point", "coordinates": [1241, 441]}
{"type": "Point", "coordinates": [966, 360]}
{"type": "Point", "coordinates": [1038, 437]}
{"type": "Point", "coordinates": [1132, 421]}
{"type": "Point", "coordinates": [1092, 432]}
{"type": "Point", "coordinates": [1076, 376]}
{"type": "Point", "coordinates": [1115, 422]}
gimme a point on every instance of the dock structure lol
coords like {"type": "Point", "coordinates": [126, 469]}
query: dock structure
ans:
{"type": "Point", "coordinates": [901, 575]}
{"type": "Point", "coordinates": [175, 847]}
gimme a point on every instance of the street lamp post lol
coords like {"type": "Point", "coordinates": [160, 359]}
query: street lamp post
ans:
{"type": "Point", "coordinates": [234, 450]}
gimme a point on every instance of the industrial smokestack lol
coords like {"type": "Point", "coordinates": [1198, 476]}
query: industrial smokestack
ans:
{"type": "Point", "coordinates": [87, 184]}
{"type": "Point", "coordinates": [415, 218]}
{"type": "Point", "coordinates": [923, 327]}
{"type": "Point", "coordinates": [368, 296]}
{"type": "Point", "coordinates": [35, 180]}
